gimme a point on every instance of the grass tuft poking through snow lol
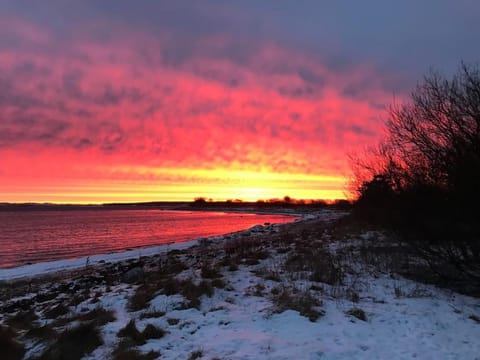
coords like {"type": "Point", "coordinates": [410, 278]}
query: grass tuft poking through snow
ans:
{"type": "Point", "coordinates": [197, 354]}
{"type": "Point", "coordinates": [99, 316]}
{"type": "Point", "coordinates": [74, 343]}
{"type": "Point", "coordinates": [475, 318]}
{"type": "Point", "coordinates": [152, 314]}
{"type": "Point", "coordinates": [153, 332]}
{"type": "Point", "coordinates": [358, 313]}
{"type": "Point", "coordinates": [298, 300]}
{"type": "Point", "coordinates": [131, 334]}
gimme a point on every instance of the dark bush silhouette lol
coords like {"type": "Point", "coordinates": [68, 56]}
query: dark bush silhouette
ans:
{"type": "Point", "coordinates": [10, 348]}
{"type": "Point", "coordinates": [423, 181]}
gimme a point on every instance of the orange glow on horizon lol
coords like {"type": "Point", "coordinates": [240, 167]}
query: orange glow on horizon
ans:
{"type": "Point", "coordinates": [219, 185]}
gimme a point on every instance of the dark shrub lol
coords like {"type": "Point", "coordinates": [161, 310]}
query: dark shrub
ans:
{"type": "Point", "coordinates": [45, 332]}
{"type": "Point", "coordinates": [358, 313]}
{"type": "Point", "coordinates": [22, 320]}
{"type": "Point", "coordinates": [153, 332]}
{"type": "Point", "coordinates": [131, 332]}
{"type": "Point", "coordinates": [56, 311]}
{"type": "Point", "coordinates": [9, 347]}
{"type": "Point", "coordinates": [210, 272]}
{"type": "Point", "coordinates": [131, 354]}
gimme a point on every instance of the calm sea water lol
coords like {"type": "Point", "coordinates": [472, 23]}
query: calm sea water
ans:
{"type": "Point", "coordinates": [35, 236]}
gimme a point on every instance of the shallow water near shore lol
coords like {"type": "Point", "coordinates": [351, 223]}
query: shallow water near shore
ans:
{"type": "Point", "coordinates": [38, 236]}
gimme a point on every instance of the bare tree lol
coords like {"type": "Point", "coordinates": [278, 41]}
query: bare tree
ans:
{"type": "Point", "coordinates": [438, 132]}
{"type": "Point", "coordinates": [426, 173]}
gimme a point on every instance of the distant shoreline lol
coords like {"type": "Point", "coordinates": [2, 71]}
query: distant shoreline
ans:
{"type": "Point", "coordinates": [226, 206]}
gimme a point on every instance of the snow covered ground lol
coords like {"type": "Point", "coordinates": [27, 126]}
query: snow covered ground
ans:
{"type": "Point", "coordinates": [249, 307]}
{"type": "Point", "coordinates": [235, 325]}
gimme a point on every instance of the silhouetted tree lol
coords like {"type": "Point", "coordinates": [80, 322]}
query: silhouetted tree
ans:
{"type": "Point", "coordinates": [426, 173]}
{"type": "Point", "coordinates": [436, 137]}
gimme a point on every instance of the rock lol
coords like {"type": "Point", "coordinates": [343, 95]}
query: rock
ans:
{"type": "Point", "coordinates": [204, 242]}
{"type": "Point", "coordinates": [25, 305]}
{"type": "Point", "coordinates": [96, 279]}
{"type": "Point", "coordinates": [133, 275]}
{"type": "Point", "coordinates": [257, 228]}
{"type": "Point", "coordinates": [45, 296]}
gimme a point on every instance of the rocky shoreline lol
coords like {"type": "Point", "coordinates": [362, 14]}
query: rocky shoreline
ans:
{"type": "Point", "coordinates": [132, 270]}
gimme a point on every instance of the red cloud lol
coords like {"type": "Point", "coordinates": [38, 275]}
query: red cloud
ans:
{"type": "Point", "coordinates": [134, 101]}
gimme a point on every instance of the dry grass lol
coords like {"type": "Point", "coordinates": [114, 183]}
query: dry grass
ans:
{"type": "Point", "coordinates": [99, 316]}
{"type": "Point", "coordinates": [358, 313]}
{"type": "Point", "coordinates": [188, 290]}
{"type": "Point", "coordinates": [131, 334]}
{"type": "Point", "coordinates": [152, 314]}
{"type": "Point", "coordinates": [75, 343]}
{"type": "Point", "coordinates": [272, 274]}
{"type": "Point", "coordinates": [172, 321]}
{"type": "Point", "coordinates": [320, 263]}
{"type": "Point", "coordinates": [218, 283]}
{"type": "Point", "coordinates": [294, 299]}
{"type": "Point", "coordinates": [475, 318]}
{"type": "Point", "coordinates": [193, 292]}
{"type": "Point", "coordinates": [233, 267]}
{"type": "Point", "coordinates": [241, 246]}
{"type": "Point", "coordinates": [142, 296]}
{"type": "Point", "coordinates": [171, 265]}
{"type": "Point", "coordinates": [259, 289]}
{"type": "Point", "coordinates": [197, 354]}
{"type": "Point", "coordinates": [153, 332]}
{"type": "Point", "coordinates": [131, 337]}
{"type": "Point", "coordinates": [210, 272]}
{"type": "Point", "coordinates": [250, 249]}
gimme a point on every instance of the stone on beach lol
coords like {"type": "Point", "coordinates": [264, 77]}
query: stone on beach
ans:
{"type": "Point", "coordinates": [133, 275]}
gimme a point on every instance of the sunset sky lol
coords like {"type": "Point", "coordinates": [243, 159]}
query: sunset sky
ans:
{"type": "Point", "coordinates": [109, 101]}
